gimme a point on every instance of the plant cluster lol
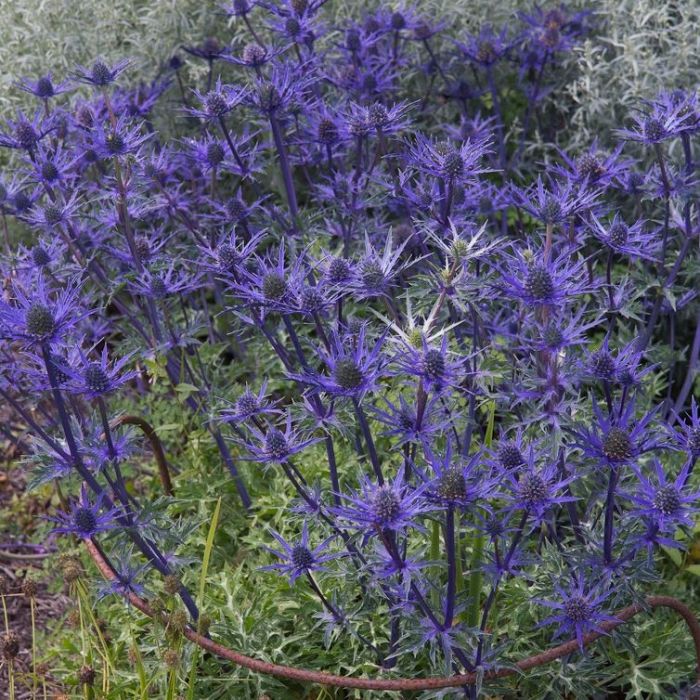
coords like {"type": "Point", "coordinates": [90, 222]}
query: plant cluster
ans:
{"type": "Point", "coordinates": [495, 357]}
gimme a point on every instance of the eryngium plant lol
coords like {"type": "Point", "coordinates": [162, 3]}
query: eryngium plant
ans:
{"type": "Point", "coordinates": [495, 358]}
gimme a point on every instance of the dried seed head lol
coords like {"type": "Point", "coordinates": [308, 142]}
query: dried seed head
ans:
{"type": "Point", "coordinates": [177, 622]}
{"type": "Point", "coordinates": [9, 643]}
{"type": "Point", "coordinates": [171, 658]}
{"type": "Point", "coordinates": [30, 588]}
{"type": "Point", "coordinates": [86, 675]}
{"type": "Point", "coordinates": [171, 584]}
{"type": "Point", "coordinates": [203, 624]}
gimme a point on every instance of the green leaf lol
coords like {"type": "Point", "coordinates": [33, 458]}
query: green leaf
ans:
{"type": "Point", "coordinates": [693, 569]}
{"type": "Point", "coordinates": [674, 555]}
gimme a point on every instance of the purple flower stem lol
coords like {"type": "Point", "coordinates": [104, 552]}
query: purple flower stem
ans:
{"type": "Point", "coordinates": [252, 31]}
{"type": "Point", "coordinates": [147, 548]}
{"type": "Point", "coordinates": [286, 169]}
{"type": "Point", "coordinates": [692, 370]}
{"type": "Point", "coordinates": [494, 589]}
{"type": "Point", "coordinates": [371, 449]}
{"type": "Point", "coordinates": [451, 551]}
{"type": "Point", "coordinates": [609, 516]}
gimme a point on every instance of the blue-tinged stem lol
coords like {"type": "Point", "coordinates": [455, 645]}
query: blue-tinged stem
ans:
{"type": "Point", "coordinates": [494, 589]}
{"type": "Point", "coordinates": [451, 551]}
{"type": "Point", "coordinates": [610, 516]}
{"type": "Point", "coordinates": [285, 166]}
{"type": "Point", "coordinates": [371, 449]}
{"type": "Point", "coordinates": [149, 550]}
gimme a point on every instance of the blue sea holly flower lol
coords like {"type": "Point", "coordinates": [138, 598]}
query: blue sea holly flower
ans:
{"type": "Point", "coordinates": [86, 519]}
{"type": "Point", "coordinates": [660, 121]}
{"type": "Point", "coordinates": [24, 133]}
{"type": "Point", "coordinates": [557, 202]}
{"type": "Point", "coordinates": [249, 405]}
{"type": "Point", "coordinates": [44, 87]}
{"type": "Point", "coordinates": [95, 378]}
{"type": "Point", "coordinates": [667, 504]}
{"type": "Point", "coordinates": [218, 102]}
{"type": "Point", "coordinates": [530, 279]}
{"type": "Point", "coordinates": [271, 285]}
{"type": "Point", "coordinates": [617, 438]}
{"type": "Point", "coordinates": [127, 576]}
{"type": "Point", "coordinates": [392, 507]}
{"type": "Point", "coordinates": [401, 420]}
{"type": "Point", "coordinates": [40, 315]}
{"type": "Point", "coordinates": [274, 445]}
{"type": "Point", "coordinates": [432, 365]}
{"type": "Point", "coordinates": [376, 272]}
{"type": "Point", "coordinates": [630, 240]}
{"type": "Point", "coordinates": [100, 74]}
{"type": "Point", "coordinates": [297, 559]}
{"type": "Point", "coordinates": [487, 47]}
{"type": "Point", "coordinates": [577, 611]}
{"type": "Point", "coordinates": [687, 435]}
{"type": "Point", "coordinates": [450, 162]}
{"type": "Point", "coordinates": [535, 490]}
{"type": "Point", "coordinates": [455, 482]}
{"type": "Point", "coordinates": [352, 367]}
